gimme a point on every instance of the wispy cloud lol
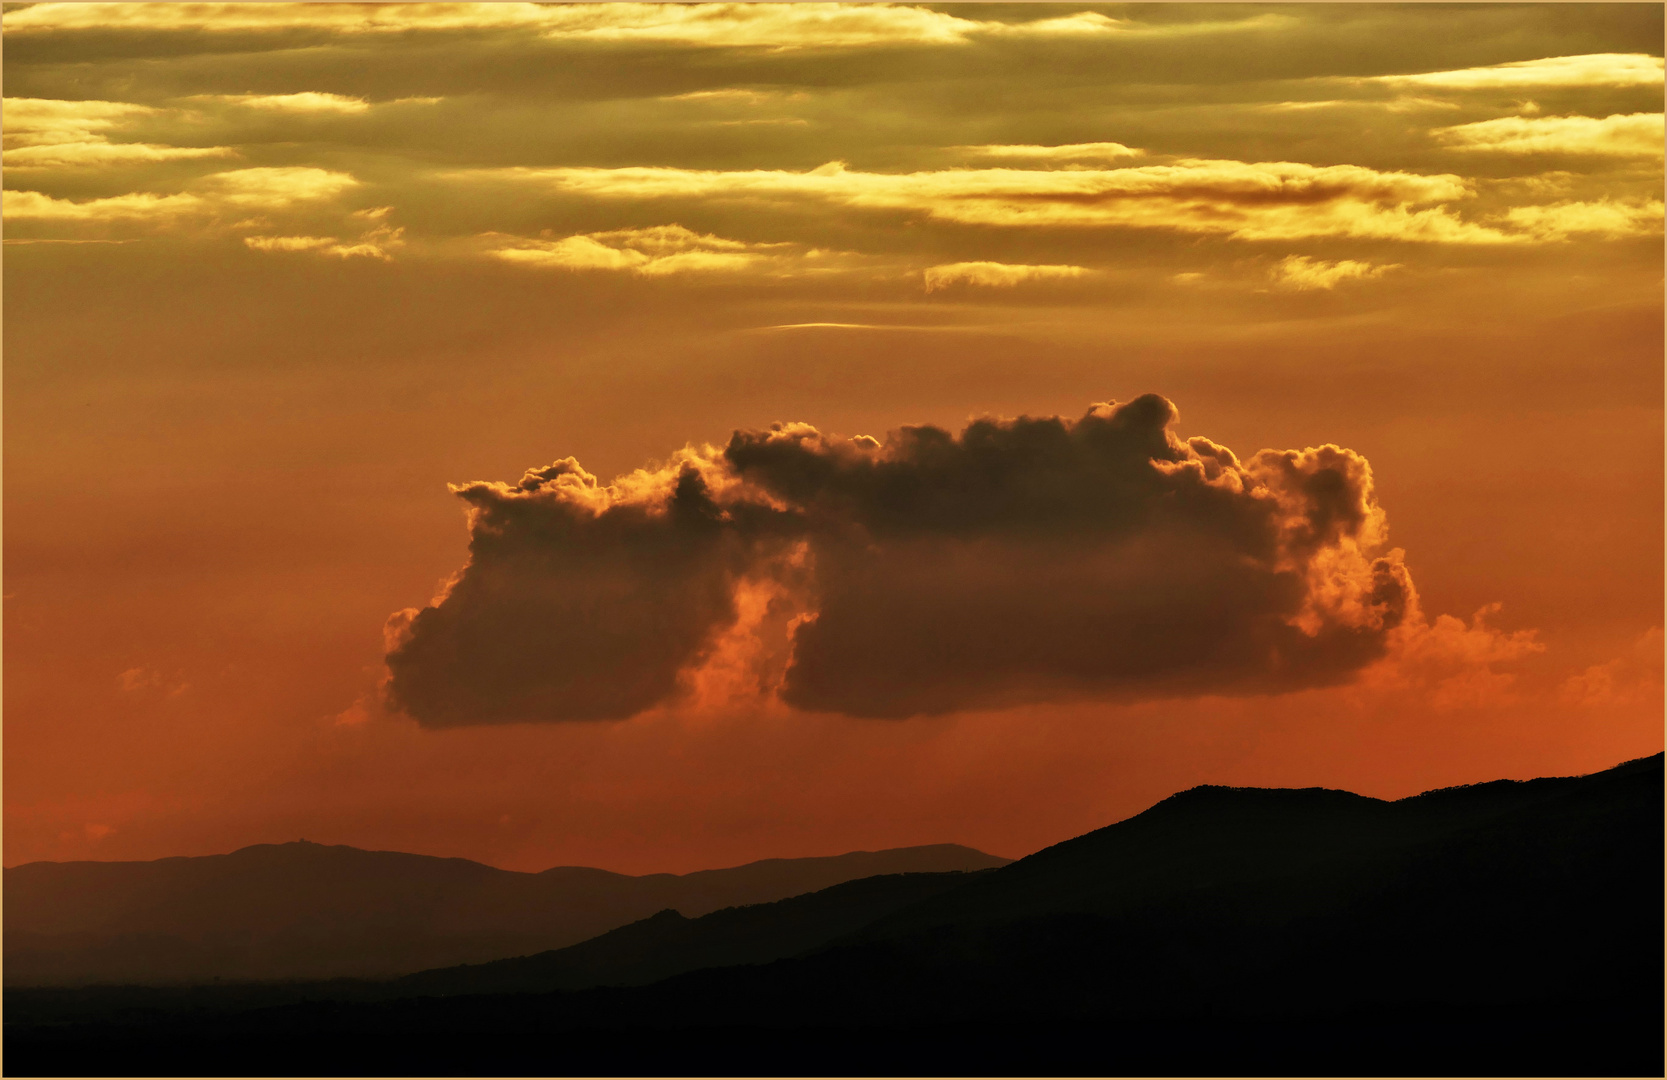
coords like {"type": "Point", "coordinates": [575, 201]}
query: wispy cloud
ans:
{"type": "Point", "coordinates": [238, 192]}
{"type": "Point", "coordinates": [1634, 676]}
{"type": "Point", "coordinates": [1094, 151]}
{"type": "Point", "coordinates": [308, 101]}
{"type": "Point", "coordinates": [377, 241]}
{"type": "Point", "coordinates": [660, 251]}
{"type": "Point", "coordinates": [1302, 274]}
{"type": "Point", "coordinates": [996, 275]}
{"type": "Point", "coordinates": [1591, 69]}
{"type": "Point", "coordinates": [305, 102]}
{"type": "Point", "coordinates": [100, 153]}
{"type": "Point", "coordinates": [1402, 104]}
{"type": "Point", "coordinates": [1634, 135]}
{"type": "Point", "coordinates": [42, 133]}
{"type": "Point", "coordinates": [44, 121]}
{"type": "Point", "coordinates": [1608, 219]}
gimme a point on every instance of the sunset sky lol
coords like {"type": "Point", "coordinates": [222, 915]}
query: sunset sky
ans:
{"type": "Point", "coordinates": [1312, 357]}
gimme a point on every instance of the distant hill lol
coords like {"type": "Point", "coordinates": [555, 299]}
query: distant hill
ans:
{"type": "Point", "coordinates": [310, 911]}
{"type": "Point", "coordinates": [1501, 928]}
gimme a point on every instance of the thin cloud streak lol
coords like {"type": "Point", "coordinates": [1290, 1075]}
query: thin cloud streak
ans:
{"type": "Point", "coordinates": [923, 328]}
{"type": "Point", "coordinates": [1095, 151]}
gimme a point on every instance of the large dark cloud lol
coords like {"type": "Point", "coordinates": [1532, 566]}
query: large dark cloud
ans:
{"type": "Point", "coordinates": [577, 603]}
{"type": "Point", "coordinates": [1021, 560]}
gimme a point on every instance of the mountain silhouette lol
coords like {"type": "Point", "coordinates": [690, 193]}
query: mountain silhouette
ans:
{"type": "Point", "coordinates": [310, 911]}
{"type": "Point", "coordinates": [1270, 856]}
{"type": "Point", "coordinates": [1499, 928]}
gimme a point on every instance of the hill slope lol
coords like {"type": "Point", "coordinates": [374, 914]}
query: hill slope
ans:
{"type": "Point", "coordinates": [668, 944]}
{"type": "Point", "coordinates": [309, 911]}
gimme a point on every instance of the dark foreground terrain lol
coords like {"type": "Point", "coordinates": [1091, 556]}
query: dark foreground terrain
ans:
{"type": "Point", "coordinates": [1503, 928]}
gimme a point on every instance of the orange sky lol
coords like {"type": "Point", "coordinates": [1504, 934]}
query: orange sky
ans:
{"type": "Point", "coordinates": [277, 275]}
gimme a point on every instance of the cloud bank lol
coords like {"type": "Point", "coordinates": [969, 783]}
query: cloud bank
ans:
{"type": "Point", "coordinates": [1020, 560]}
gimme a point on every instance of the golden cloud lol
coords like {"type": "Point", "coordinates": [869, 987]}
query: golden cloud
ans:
{"type": "Point", "coordinates": [735, 96]}
{"type": "Point", "coordinates": [375, 242]}
{"type": "Point", "coordinates": [304, 102]}
{"type": "Point", "coordinates": [373, 245]}
{"type": "Point", "coordinates": [34, 206]}
{"type": "Point", "coordinates": [996, 275]}
{"type": "Point", "coordinates": [101, 153]}
{"type": "Point", "coordinates": [1633, 135]}
{"type": "Point", "coordinates": [308, 101]}
{"type": "Point", "coordinates": [240, 191]}
{"type": "Point", "coordinates": [1301, 273]}
{"type": "Point", "coordinates": [1094, 151]}
{"type": "Point", "coordinates": [44, 122]}
{"type": "Point", "coordinates": [1609, 219]}
{"type": "Point", "coordinates": [663, 250]}
{"type": "Point", "coordinates": [275, 187]}
{"type": "Point", "coordinates": [43, 133]}
{"type": "Point", "coordinates": [288, 243]}
{"type": "Point", "coordinates": [1394, 105]}
{"type": "Point", "coordinates": [1591, 69]}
